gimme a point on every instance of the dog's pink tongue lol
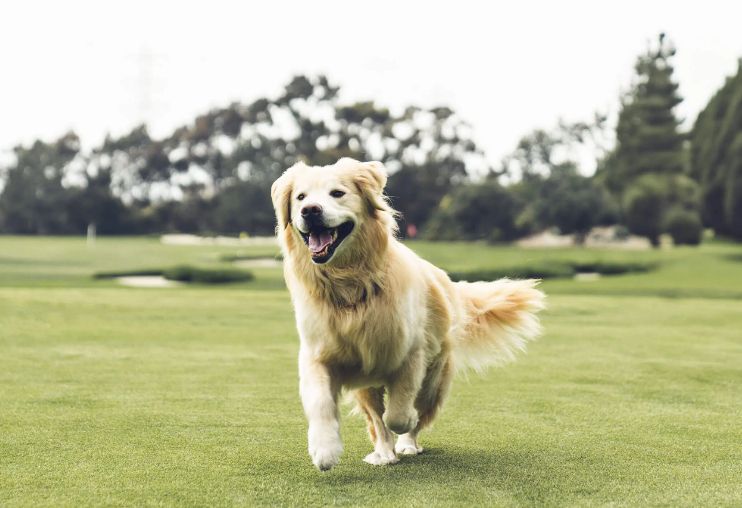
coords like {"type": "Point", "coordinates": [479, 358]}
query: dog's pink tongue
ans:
{"type": "Point", "coordinates": [318, 241]}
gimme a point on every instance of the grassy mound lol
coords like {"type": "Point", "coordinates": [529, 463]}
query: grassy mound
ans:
{"type": "Point", "coordinates": [556, 270]}
{"type": "Point", "coordinates": [186, 273]}
{"type": "Point", "coordinates": [613, 267]}
{"type": "Point", "coordinates": [128, 273]}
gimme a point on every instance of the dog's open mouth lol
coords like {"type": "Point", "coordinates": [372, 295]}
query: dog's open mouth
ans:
{"type": "Point", "coordinates": [322, 241]}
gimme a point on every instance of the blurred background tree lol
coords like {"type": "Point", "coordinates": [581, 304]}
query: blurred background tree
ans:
{"type": "Point", "coordinates": [553, 190]}
{"type": "Point", "coordinates": [213, 175]}
{"type": "Point", "coordinates": [479, 211]}
{"type": "Point", "coordinates": [650, 159]}
{"type": "Point", "coordinates": [716, 158]}
{"type": "Point", "coordinates": [34, 200]}
{"type": "Point", "coordinates": [648, 140]}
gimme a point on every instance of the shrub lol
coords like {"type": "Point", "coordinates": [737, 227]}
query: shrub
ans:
{"type": "Point", "coordinates": [684, 226]}
{"type": "Point", "coordinates": [573, 203]}
{"type": "Point", "coordinates": [128, 273]}
{"type": "Point", "coordinates": [185, 273]}
{"type": "Point", "coordinates": [613, 267]}
{"type": "Point", "coordinates": [644, 204]}
{"type": "Point", "coordinates": [482, 211]}
{"type": "Point", "coordinates": [557, 270]}
{"type": "Point", "coordinates": [553, 271]}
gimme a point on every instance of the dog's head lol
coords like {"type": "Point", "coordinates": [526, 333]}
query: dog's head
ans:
{"type": "Point", "coordinates": [330, 207]}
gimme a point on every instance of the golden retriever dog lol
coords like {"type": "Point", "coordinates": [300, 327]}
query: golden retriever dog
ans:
{"type": "Point", "coordinates": [375, 318]}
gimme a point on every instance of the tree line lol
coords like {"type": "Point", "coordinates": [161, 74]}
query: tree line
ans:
{"type": "Point", "coordinates": [214, 175]}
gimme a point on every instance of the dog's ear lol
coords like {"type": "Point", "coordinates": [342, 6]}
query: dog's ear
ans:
{"type": "Point", "coordinates": [281, 196]}
{"type": "Point", "coordinates": [371, 180]}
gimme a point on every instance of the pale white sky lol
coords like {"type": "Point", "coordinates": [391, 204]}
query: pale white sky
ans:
{"type": "Point", "coordinates": [507, 68]}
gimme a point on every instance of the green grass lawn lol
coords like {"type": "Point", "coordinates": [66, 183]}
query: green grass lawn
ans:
{"type": "Point", "coordinates": [188, 396]}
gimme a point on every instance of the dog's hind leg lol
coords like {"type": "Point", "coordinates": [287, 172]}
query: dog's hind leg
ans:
{"type": "Point", "coordinates": [429, 400]}
{"type": "Point", "coordinates": [371, 402]}
{"type": "Point", "coordinates": [401, 416]}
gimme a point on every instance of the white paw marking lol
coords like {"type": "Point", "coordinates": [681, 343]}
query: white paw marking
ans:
{"type": "Point", "coordinates": [325, 459]}
{"type": "Point", "coordinates": [381, 458]}
{"type": "Point", "coordinates": [325, 448]}
{"type": "Point", "coordinates": [407, 445]}
{"type": "Point", "coordinates": [408, 450]}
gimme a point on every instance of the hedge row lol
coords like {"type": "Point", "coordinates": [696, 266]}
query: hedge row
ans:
{"type": "Point", "coordinates": [557, 270]}
{"type": "Point", "coordinates": [186, 273]}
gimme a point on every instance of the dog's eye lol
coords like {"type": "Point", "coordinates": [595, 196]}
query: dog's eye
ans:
{"type": "Point", "coordinates": [337, 194]}
{"type": "Point", "coordinates": [301, 196]}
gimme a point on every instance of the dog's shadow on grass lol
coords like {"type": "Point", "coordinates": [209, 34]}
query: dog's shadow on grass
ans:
{"type": "Point", "coordinates": [529, 475]}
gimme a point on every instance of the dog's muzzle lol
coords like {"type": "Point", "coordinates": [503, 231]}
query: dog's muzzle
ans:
{"type": "Point", "coordinates": [322, 240]}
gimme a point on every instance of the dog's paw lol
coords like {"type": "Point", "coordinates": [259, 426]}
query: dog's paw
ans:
{"type": "Point", "coordinates": [382, 458]}
{"type": "Point", "coordinates": [325, 449]}
{"type": "Point", "coordinates": [407, 445]}
{"type": "Point", "coordinates": [401, 422]}
{"type": "Point", "coordinates": [325, 459]}
{"type": "Point", "coordinates": [408, 450]}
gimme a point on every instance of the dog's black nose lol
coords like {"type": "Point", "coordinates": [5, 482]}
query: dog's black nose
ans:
{"type": "Point", "coordinates": [311, 211]}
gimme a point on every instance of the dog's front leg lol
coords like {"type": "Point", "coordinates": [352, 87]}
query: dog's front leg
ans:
{"type": "Point", "coordinates": [319, 392]}
{"type": "Point", "coordinates": [401, 416]}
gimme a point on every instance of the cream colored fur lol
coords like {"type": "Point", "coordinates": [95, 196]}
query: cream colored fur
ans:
{"type": "Point", "coordinates": [379, 320]}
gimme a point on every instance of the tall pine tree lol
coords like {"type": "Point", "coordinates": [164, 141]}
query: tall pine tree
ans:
{"type": "Point", "coordinates": [647, 168]}
{"type": "Point", "coordinates": [647, 137]}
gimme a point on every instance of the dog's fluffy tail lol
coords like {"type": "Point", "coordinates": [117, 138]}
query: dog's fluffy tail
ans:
{"type": "Point", "coordinates": [499, 318]}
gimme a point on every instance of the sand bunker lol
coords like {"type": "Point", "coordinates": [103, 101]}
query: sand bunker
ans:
{"type": "Point", "coordinates": [218, 240]}
{"type": "Point", "coordinates": [147, 281]}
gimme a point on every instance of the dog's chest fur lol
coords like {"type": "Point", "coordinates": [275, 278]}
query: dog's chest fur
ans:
{"type": "Point", "coordinates": [367, 341]}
